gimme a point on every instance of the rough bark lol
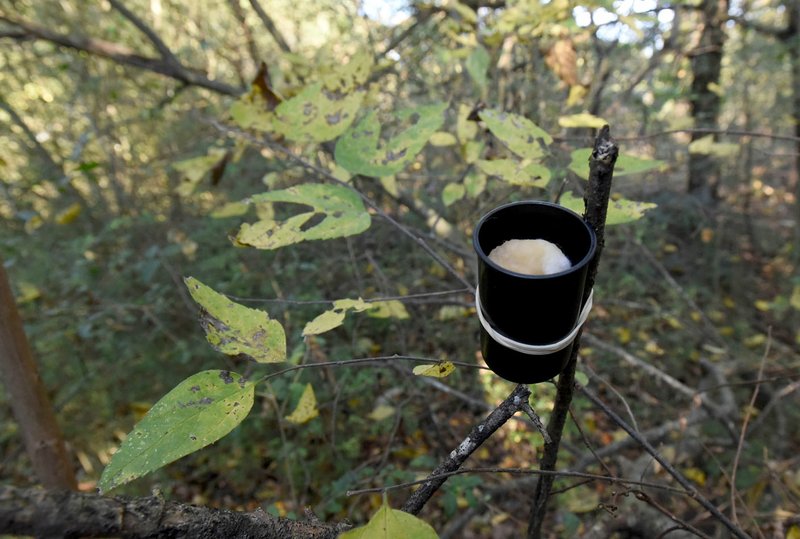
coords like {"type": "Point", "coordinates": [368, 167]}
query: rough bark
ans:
{"type": "Point", "coordinates": [49, 514]}
{"type": "Point", "coordinates": [706, 60]}
{"type": "Point", "coordinates": [601, 172]}
{"type": "Point", "coordinates": [29, 403]}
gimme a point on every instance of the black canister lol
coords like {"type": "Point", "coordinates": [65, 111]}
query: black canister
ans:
{"type": "Point", "coordinates": [531, 309]}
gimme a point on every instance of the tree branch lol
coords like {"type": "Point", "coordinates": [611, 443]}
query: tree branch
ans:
{"type": "Point", "coordinates": [601, 172]}
{"type": "Point", "coordinates": [123, 55]}
{"type": "Point", "coordinates": [270, 26]}
{"type": "Point", "coordinates": [164, 51]}
{"type": "Point", "coordinates": [479, 434]}
{"type": "Point", "coordinates": [45, 513]}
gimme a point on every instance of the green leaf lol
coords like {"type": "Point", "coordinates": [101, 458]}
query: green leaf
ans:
{"type": "Point", "coordinates": [437, 370]}
{"type": "Point", "coordinates": [317, 114]}
{"type": "Point", "coordinates": [475, 183]}
{"type": "Point", "coordinates": [452, 192]}
{"type": "Point", "coordinates": [334, 317]}
{"type": "Point", "coordinates": [707, 146]}
{"type": "Point", "coordinates": [619, 211]}
{"type": "Point", "coordinates": [626, 164]}
{"type": "Point", "coordinates": [388, 309]}
{"type": "Point", "coordinates": [388, 523]}
{"type": "Point", "coordinates": [342, 210]}
{"type": "Point", "coordinates": [465, 129]}
{"type": "Point", "coordinates": [478, 65]}
{"type": "Point", "coordinates": [194, 170]}
{"type": "Point", "coordinates": [515, 172]}
{"type": "Point", "coordinates": [582, 120]}
{"type": "Point", "coordinates": [234, 329]}
{"type": "Point", "coordinates": [442, 138]}
{"type": "Point", "coordinates": [522, 136]}
{"type": "Point", "coordinates": [198, 412]}
{"type": "Point", "coordinates": [361, 151]}
{"type": "Point", "coordinates": [230, 209]}
{"type": "Point", "coordinates": [306, 408]}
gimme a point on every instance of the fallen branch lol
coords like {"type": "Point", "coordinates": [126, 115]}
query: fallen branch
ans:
{"type": "Point", "coordinates": [44, 513]}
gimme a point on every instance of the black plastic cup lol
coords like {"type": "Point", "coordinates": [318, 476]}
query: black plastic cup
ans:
{"type": "Point", "coordinates": [531, 309]}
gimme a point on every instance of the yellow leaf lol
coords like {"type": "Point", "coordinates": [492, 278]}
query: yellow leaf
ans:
{"type": "Point", "coordinates": [442, 138]}
{"type": "Point", "coordinates": [794, 301]}
{"type": "Point", "coordinates": [762, 305]}
{"type": "Point", "coordinates": [623, 335]}
{"type": "Point", "coordinates": [388, 309]}
{"type": "Point", "coordinates": [794, 532]}
{"type": "Point", "coordinates": [438, 370]}
{"type": "Point", "coordinates": [69, 214]}
{"type": "Point", "coordinates": [581, 120]}
{"type": "Point", "coordinates": [755, 341]}
{"type": "Point", "coordinates": [381, 412]}
{"type": "Point", "coordinates": [27, 292]}
{"type": "Point", "coordinates": [306, 409]}
{"type": "Point", "coordinates": [696, 474]}
{"type": "Point", "coordinates": [33, 223]}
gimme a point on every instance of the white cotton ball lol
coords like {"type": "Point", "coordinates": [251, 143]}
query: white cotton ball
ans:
{"type": "Point", "coordinates": [531, 257]}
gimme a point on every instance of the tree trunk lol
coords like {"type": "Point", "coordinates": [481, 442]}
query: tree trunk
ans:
{"type": "Point", "coordinates": [29, 402]}
{"type": "Point", "coordinates": [704, 170]}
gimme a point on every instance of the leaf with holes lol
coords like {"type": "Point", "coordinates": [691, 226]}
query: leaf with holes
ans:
{"type": "Point", "coordinates": [388, 523]}
{"type": "Point", "coordinates": [341, 211]}
{"type": "Point", "coordinates": [198, 412]}
{"type": "Point", "coordinates": [625, 164]}
{"type": "Point", "coordinates": [317, 114]}
{"type": "Point", "coordinates": [437, 370]}
{"type": "Point", "coordinates": [361, 151]}
{"type": "Point", "coordinates": [524, 173]}
{"type": "Point", "coordinates": [522, 136]}
{"type": "Point", "coordinates": [234, 329]}
{"type": "Point", "coordinates": [306, 408]}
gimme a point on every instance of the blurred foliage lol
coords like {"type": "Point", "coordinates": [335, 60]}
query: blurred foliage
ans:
{"type": "Point", "coordinates": [118, 182]}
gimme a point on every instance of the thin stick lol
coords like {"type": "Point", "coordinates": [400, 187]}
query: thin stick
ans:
{"type": "Point", "coordinates": [479, 434]}
{"type": "Point", "coordinates": [747, 414]}
{"type": "Point", "coordinates": [685, 483]}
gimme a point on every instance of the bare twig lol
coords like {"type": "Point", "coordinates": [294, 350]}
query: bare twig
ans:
{"type": "Point", "coordinates": [479, 434]}
{"type": "Point", "coordinates": [685, 483]}
{"type": "Point", "coordinates": [747, 415]}
{"type": "Point", "coordinates": [164, 51]}
{"type": "Point", "coordinates": [123, 55]}
{"type": "Point", "coordinates": [269, 24]}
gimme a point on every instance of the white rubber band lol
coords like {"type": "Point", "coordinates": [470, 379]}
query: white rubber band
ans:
{"type": "Point", "coordinates": [533, 349]}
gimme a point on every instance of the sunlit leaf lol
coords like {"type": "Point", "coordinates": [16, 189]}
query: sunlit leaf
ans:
{"type": "Point", "coordinates": [626, 164]}
{"type": "Point", "coordinates": [477, 65]}
{"type": "Point", "coordinates": [194, 170]}
{"type": "Point", "coordinates": [335, 316]}
{"type": "Point", "coordinates": [516, 173]}
{"type": "Point", "coordinates": [388, 523]}
{"type": "Point", "coordinates": [522, 136]}
{"type": "Point", "coordinates": [230, 209]}
{"type": "Point", "coordinates": [619, 211]}
{"type": "Point", "coordinates": [475, 183]}
{"type": "Point", "coordinates": [452, 193]}
{"type": "Point", "coordinates": [69, 214]}
{"type": "Point", "coordinates": [442, 138]}
{"type": "Point", "coordinates": [234, 329]}
{"type": "Point", "coordinates": [794, 300]}
{"type": "Point", "coordinates": [582, 120]}
{"type": "Point", "coordinates": [708, 146]}
{"type": "Point", "coordinates": [306, 408]}
{"type": "Point", "coordinates": [199, 411]}
{"type": "Point", "coordinates": [381, 412]}
{"type": "Point", "coordinates": [695, 474]}
{"type": "Point", "coordinates": [361, 151]}
{"type": "Point", "coordinates": [437, 370]}
{"type": "Point", "coordinates": [316, 114]}
{"type": "Point", "coordinates": [388, 309]}
{"type": "Point", "coordinates": [341, 209]}
{"type": "Point", "coordinates": [465, 129]}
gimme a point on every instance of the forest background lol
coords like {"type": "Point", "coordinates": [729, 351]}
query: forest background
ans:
{"type": "Point", "coordinates": [130, 129]}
